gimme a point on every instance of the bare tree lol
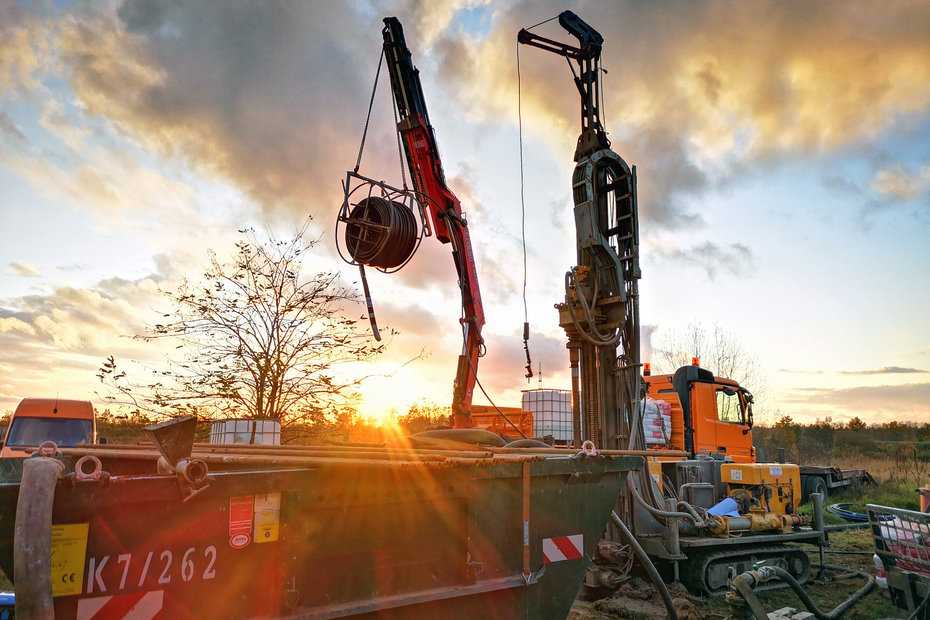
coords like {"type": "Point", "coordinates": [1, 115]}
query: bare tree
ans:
{"type": "Point", "coordinates": [720, 351]}
{"type": "Point", "coordinates": [256, 338]}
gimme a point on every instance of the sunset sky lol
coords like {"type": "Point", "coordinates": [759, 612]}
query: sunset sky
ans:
{"type": "Point", "coordinates": [782, 148]}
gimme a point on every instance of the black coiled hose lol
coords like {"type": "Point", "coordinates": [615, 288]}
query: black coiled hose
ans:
{"type": "Point", "coordinates": [380, 233]}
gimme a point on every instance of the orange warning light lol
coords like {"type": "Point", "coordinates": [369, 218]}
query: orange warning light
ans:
{"type": "Point", "coordinates": [695, 361]}
{"type": "Point", "coordinates": [647, 369]}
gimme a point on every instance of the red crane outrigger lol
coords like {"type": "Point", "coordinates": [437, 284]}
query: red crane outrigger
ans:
{"type": "Point", "coordinates": [381, 230]}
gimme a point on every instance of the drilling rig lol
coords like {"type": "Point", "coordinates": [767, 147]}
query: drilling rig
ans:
{"type": "Point", "coordinates": [675, 523]}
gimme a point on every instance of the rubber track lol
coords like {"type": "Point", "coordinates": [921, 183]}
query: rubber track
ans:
{"type": "Point", "coordinates": [694, 571]}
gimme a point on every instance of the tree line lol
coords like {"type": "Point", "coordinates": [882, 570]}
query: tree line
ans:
{"type": "Point", "coordinates": [825, 438]}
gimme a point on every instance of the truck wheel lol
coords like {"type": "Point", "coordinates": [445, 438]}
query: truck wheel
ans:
{"type": "Point", "coordinates": [815, 484]}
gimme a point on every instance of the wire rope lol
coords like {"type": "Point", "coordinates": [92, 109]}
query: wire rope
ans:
{"type": "Point", "coordinates": [371, 102]}
{"type": "Point", "coordinates": [526, 313]}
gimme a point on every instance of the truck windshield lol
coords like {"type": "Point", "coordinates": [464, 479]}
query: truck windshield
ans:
{"type": "Point", "coordinates": [729, 408]}
{"type": "Point", "coordinates": [65, 432]}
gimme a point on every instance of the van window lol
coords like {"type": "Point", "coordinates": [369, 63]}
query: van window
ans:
{"type": "Point", "coordinates": [729, 407]}
{"type": "Point", "coordinates": [65, 432]}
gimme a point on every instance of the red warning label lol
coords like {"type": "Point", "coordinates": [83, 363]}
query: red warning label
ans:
{"type": "Point", "coordinates": [241, 510]}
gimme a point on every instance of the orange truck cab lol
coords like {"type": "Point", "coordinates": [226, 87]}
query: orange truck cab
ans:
{"type": "Point", "coordinates": [66, 422]}
{"type": "Point", "coordinates": [709, 415]}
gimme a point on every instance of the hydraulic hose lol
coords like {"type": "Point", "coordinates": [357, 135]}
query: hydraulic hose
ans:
{"type": "Point", "coordinates": [840, 609]}
{"type": "Point", "coordinates": [647, 563]}
{"type": "Point", "coordinates": [691, 513]}
{"type": "Point", "coordinates": [32, 538]}
{"type": "Point", "coordinates": [834, 614]}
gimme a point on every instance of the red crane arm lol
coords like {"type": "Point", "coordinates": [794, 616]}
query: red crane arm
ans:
{"type": "Point", "coordinates": [444, 210]}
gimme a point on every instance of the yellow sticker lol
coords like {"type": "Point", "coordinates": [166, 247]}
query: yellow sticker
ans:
{"type": "Point", "coordinates": [266, 527]}
{"type": "Point", "coordinates": [267, 516]}
{"type": "Point", "coordinates": [69, 547]}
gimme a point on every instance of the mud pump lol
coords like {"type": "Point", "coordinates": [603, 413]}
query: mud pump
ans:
{"type": "Point", "coordinates": [664, 509]}
{"type": "Point", "coordinates": [382, 225]}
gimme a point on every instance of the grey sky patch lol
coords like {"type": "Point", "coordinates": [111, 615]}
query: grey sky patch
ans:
{"type": "Point", "coordinates": [19, 268]}
{"type": "Point", "coordinates": [839, 183]}
{"type": "Point", "coordinates": [800, 372]}
{"type": "Point", "coordinates": [733, 259]}
{"type": "Point", "coordinates": [9, 129]}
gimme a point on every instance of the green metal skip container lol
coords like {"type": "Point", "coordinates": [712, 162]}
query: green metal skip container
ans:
{"type": "Point", "coordinates": [311, 532]}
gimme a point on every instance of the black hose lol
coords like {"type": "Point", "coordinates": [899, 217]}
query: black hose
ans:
{"type": "Point", "coordinates": [32, 538]}
{"type": "Point", "coordinates": [840, 609]}
{"type": "Point", "coordinates": [842, 510]}
{"type": "Point", "coordinates": [650, 567]}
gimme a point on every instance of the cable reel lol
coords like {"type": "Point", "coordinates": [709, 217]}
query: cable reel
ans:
{"type": "Point", "coordinates": [377, 225]}
{"type": "Point", "coordinates": [378, 228]}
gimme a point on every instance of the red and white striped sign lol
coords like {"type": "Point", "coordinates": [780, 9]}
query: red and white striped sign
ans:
{"type": "Point", "coordinates": [135, 606]}
{"type": "Point", "coordinates": [563, 548]}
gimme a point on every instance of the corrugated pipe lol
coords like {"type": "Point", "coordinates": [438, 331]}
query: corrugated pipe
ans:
{"type": "Point", "coordinates": [32, 538]}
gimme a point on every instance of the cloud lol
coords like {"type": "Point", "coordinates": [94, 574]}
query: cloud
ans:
{"type": "Point", "coordinates": [504, 366]}
{"type": "Point", "coordinates": [24, 49]}
{"type": "Point", "coordinates": [9, 129]}
{"type": "Point", "coordinates": [897, 182]}
{"type": "Point", "coordinates": [734, 258]}
{"type": "Point", "coordinates": [20, 268]}
{"type": "Point", "coordinates": [885, 370]}
{"type": "Point", "coordinates": [407, 319]}
{"type": "Point", "coordinates": [700, 100]}
{"type": "Point", "coordinates": [54, 343]}
{"type": "Point", "coordinates": [112, 185]}
{"type": "Point", "coordinates": [273, 96]}
{"type": "Point", "coordinates": [800, 372]}
{"type": "Point", "coordinates": [646, 333]}
{"type": "Point", "coordinates": [911, 398]}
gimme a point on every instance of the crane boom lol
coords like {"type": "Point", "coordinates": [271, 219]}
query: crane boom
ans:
{"type": "Point", "coordinates": [446, 218]}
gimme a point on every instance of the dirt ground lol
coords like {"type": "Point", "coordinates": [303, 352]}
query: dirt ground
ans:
{"type": "Point", "coordinates": [638, 599]}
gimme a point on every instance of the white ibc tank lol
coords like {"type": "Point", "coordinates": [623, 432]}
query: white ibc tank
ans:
{"type": "Point", "coordinates": [552, 412]}
{"type": "Point", "coordinates": [267, 432]}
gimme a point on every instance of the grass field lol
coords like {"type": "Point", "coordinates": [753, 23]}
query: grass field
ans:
{"type": "Point", "coordinates": [831, 588]}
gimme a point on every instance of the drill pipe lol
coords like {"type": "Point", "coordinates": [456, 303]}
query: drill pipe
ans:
{"type": "Point", "coordinates": [316, 461]}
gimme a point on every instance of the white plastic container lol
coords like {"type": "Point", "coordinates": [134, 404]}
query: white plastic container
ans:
{"type": "Point", "coordinates": [552, 413]}
{"type": "Point", "coordinates": [267, 432]}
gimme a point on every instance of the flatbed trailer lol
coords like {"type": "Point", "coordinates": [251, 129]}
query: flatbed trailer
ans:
{"type": "Point", "coordinates": [308, 533]}
{"type": "Point", "coordinates": [827, 480]}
